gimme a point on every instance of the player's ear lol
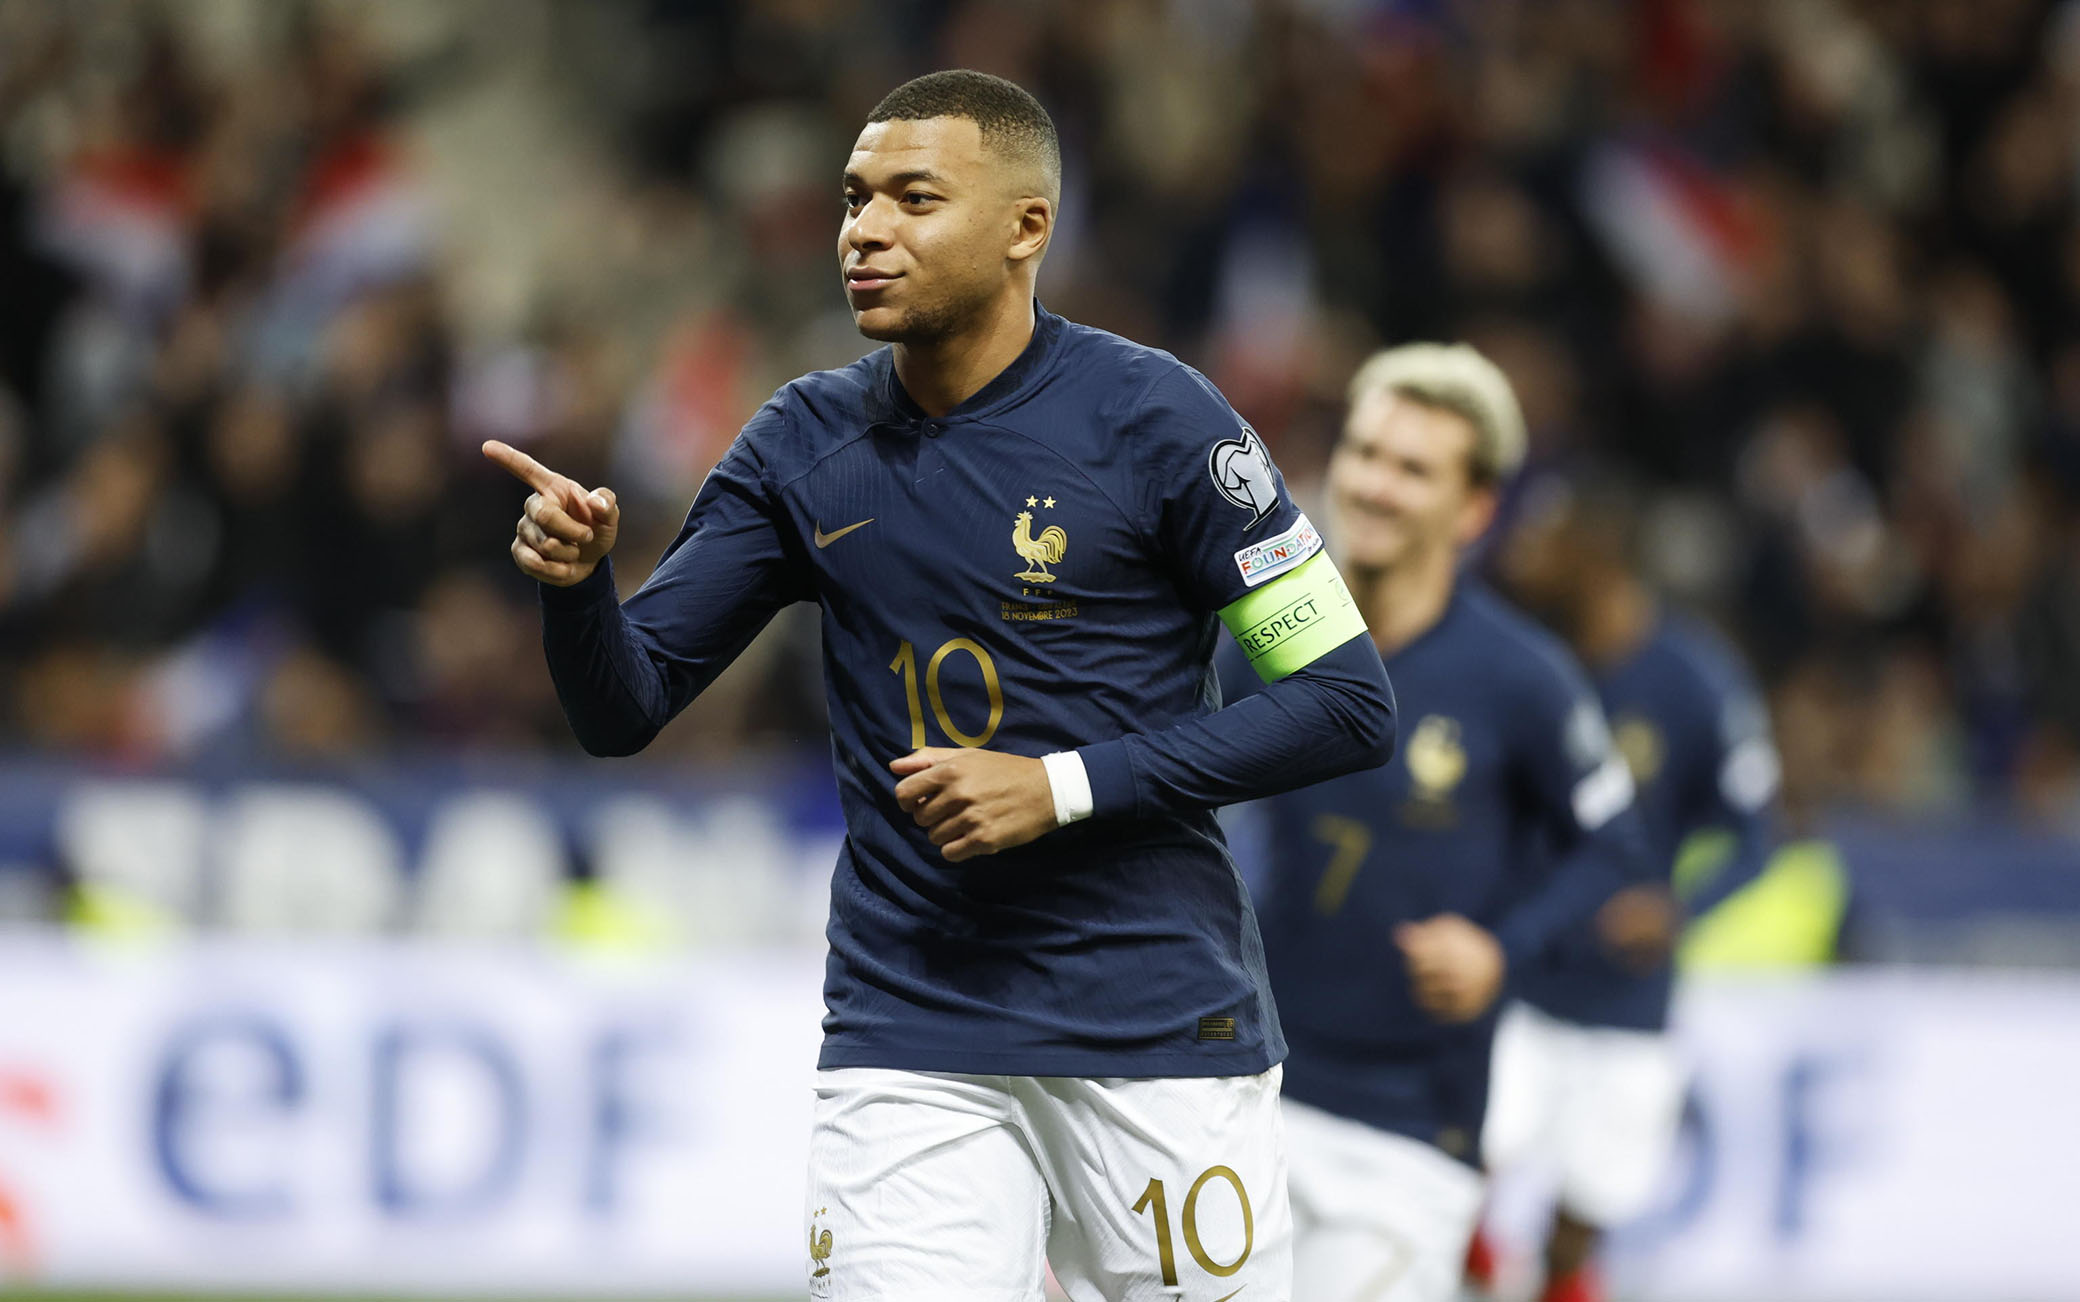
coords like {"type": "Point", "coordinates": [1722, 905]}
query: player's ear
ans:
{"type": "Point", "coordinates": [1035, 226]}
{"type": "Point", "coordinates": [1478, 513]}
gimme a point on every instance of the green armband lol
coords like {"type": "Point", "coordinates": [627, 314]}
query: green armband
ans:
{"type": "Point", "coordinates": [1295, 619]}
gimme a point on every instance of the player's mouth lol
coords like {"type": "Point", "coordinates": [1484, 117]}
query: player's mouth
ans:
{"type": "Point", "coordinates": [1370, 512]}
{"type": "Point", "coordinates": [861, 280]}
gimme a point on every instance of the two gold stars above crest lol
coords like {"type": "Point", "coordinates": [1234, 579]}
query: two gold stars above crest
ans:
{"type": "Point", "coordinates": [1037, 552]}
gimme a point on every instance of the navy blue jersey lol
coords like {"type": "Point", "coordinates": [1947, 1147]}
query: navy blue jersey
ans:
{"type": "Point", "coordinates": [1505, 803]}
{"type": "Point", "coordinates": [1038, 570]}
{"type": "Point", "coordinates": [1696, 735]}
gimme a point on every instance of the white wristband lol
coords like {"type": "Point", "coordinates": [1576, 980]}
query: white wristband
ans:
{"type": "Point", "coordinates": [1070, 785]}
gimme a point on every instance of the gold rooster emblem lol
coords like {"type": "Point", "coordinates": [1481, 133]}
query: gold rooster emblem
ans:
{"type": "Point", "coordinates": [1037, 553]}
{"type": "Point", "coordinates": [819, 1249]}
{"type": "Point", "coordinates": [1436, 758]}
{"type": "Point", "coordinates": [1640, 743]}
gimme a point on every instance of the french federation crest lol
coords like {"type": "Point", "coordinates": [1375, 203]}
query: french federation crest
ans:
{"type": "Point", "coordinates": [1242, 472]}
{"type": "Point", "coordinates": [1639, 741]}
{"type": "Point", "coordinates": [1436, 758]}
{"type": "Point", "coordinates": [819, 1247]}
{"type": "Point", "coordinates": [1037, 552]}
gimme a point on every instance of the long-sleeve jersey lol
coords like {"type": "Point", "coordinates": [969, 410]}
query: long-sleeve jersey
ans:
{"type": "Point", "coordinates": [1696, 736]}
{"type": "Point", "coordinates": [1505, 803]}
{"type": "Point", "coordinates": [1042, 569]}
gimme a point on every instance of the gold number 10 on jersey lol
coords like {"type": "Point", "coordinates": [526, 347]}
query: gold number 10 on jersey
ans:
{"type": "Point", "coordinates": [905, 664]}
{"type": "Point", "coordinates": [1152, 1199]}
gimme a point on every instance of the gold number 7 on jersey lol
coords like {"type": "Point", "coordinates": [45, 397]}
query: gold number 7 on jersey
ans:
{"type": "Point", "coordinates": [1350, 841]}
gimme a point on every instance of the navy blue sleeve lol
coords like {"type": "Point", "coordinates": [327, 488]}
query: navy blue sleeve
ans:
{"type": "Point", "coordinates": [1210, 495]}
{"type": "Point", "coordinates": [1740, 795]}
{"type": "Point", "coordinates": [1330, 718]}
{"type": "Point", "coordinates": [1232, 671]}
{"type": "Point", "coordinates": [623, 669]}
{"type": "Point", "coordinates": [1583, 793]}
{"type": "Point", "coordinates": [1223, 523]}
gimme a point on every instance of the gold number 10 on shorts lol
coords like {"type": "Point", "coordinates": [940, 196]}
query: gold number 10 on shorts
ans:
{"type": "Point", "coordinates": [1166, 1255]}
{"type": "Point", "coordinates": [905, 664]}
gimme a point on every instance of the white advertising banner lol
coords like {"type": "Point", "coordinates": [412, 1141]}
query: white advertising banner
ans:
{"type": "Point", "coordinates": [400, 1116]}
{"type": "Point", "coordinates": [1865, 1136]}
{"type": "Point", "coordinates": [412, 1117]}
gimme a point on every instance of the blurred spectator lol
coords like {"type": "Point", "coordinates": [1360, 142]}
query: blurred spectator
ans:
{"type": "Point", "coordinates": [273, 271]}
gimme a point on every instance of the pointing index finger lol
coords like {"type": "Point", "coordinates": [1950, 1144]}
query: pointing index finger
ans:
{"type": "Point", "coordinates": [521, 466]}
{"type": "Point", "coordinates": [540, 478]}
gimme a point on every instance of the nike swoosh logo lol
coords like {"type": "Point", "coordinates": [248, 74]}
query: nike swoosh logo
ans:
{"type": "Point", "coordinates": [824, 540]}
{"type": "Point", "coordinates": [1225, 1296]}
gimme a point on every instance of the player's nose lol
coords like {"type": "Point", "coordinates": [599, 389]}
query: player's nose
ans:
{"type": "Point", "coordinates": [869, 228]}
{"type": "Point", "coordinates": [1373, 493]}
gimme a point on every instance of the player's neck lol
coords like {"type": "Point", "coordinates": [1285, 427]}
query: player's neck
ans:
{"type": "Point", "coordinates": [942, 375]}
{"type": "Point", "coordinates": [1402, 602]}
{"type": "Point", "coordinates": [1616, 618]}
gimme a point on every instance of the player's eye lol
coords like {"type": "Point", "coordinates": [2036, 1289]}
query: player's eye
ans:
{"type": "Point", "coordinates": [918, 197]}
{"type": "Point", "coordinates": [852, 201]}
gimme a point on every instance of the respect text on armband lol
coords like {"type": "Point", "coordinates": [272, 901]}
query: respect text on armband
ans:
{"type": "Point", "coordinates": [1268, 634]}
{"type": "Point", "coordinates": [1288, 624]}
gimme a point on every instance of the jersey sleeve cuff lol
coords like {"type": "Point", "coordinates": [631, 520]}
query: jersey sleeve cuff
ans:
{"type": "Point", "coordinates": [1110, 774]}
{"type": "Point", "coordinates": [1070, 785]}
{"type": "Point", "coordinates": [594, 588]}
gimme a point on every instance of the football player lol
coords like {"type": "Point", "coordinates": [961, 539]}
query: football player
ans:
{"type": "Point", "coordinates": [1587, 1082]}
{"type": "Point", "coordinates": [1049, 1032]}
{"type": "Point", "coordinates": [1398, 899]}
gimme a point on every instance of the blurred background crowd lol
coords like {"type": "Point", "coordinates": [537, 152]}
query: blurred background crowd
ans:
{"type": "Point", "coordinates": [1797, 282]}
{"type": "Point", "coordinates": [270, 271]}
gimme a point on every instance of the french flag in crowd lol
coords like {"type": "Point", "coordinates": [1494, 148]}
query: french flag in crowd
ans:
{"type": "Point", "coordinates": [1685, 235]}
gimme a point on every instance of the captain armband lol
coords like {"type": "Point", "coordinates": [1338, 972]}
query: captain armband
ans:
{"type": "Point", "coordinates": [1295, 619]}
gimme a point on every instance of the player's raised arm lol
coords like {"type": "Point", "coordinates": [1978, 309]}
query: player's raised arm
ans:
{"type": "Point", "coordinates": [565, 530]}
{"type": "Point", "coordinates": [623, 670]}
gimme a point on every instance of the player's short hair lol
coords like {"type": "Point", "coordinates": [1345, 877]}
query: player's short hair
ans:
{"type": "Point", "coordinates": [1458, 379]}
{"type": "Point", "coordinates": [1012, 122]}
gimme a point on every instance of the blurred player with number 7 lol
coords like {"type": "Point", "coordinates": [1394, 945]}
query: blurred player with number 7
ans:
{"type": "Point", "coordinates": [1397, 900]}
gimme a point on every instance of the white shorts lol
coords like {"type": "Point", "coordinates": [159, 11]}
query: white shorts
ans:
{"type": "Point", "coordinates": [927, 1187]}
{"type": "Point", "coordinates": [1377, 1217]}
{"type": "Point", "coordinates": [1595, 1107]}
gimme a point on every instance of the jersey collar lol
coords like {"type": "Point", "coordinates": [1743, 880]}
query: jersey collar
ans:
{"type": "Point", "coordinates": [1008, 384]}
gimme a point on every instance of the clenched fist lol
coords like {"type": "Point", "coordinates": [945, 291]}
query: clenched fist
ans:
{"type": "Point", "coordinates": [1455, 966]}
{"type": "Point", "coordinates": [975, 801]}
{"type": "Point", "coordinates": [1639, 925]}
{"type": "Point", "coordinates": [564, 530]}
